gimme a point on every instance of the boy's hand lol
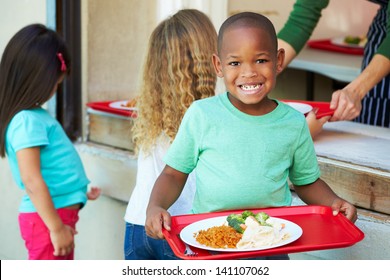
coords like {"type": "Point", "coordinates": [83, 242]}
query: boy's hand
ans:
{"type": "Point", "coordinates": [347, 209]}
{"type": "Point", "coordinates": [315, 125]}
{"type": "Point", "coordinates": [94, 193]}
{"type": "Point", "coordinates": [156, 218]}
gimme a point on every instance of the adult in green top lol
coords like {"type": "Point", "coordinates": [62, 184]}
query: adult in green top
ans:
{"type": "Point", "coordinates": [242, 145]}
{"type": "Point", "coordinates": [366, 98]}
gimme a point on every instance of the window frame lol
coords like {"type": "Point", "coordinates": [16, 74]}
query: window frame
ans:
{"type": "Point", "coordinates": [69, 96]}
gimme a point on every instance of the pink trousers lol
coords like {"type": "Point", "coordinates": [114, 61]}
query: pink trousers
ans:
{"type": "Point", "coordinates": [37, 237]}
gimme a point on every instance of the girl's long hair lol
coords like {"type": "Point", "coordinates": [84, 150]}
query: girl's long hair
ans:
{"type": "Point", "coordinates": [29, 70]}
{"type": "Point", "coordinates": [178, 70]}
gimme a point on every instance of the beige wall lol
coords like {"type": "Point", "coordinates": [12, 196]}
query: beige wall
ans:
{"type": "Point", "coordinates": [115, 40]}
{"type": "Point", "coordinates": [14, 14]}
{"type": "Point", "coordinates": [336, 18]}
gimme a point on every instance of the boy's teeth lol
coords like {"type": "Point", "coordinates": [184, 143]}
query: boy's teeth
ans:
{"type": "Point", "coordinates": [249, 87]}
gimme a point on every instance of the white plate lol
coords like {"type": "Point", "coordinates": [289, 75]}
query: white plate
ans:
{"type": "Point", "coordinates": [121, 105]}
{"type": "Point", "coordinates": [340, 42]}
{"type": "Point", "coordinates": [187, 234]}
{"type": "Point", "coordinates": [301, 107]}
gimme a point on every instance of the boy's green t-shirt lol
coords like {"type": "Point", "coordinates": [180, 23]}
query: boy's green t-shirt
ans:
{"type": "Point", "coordinates": [243, 161]}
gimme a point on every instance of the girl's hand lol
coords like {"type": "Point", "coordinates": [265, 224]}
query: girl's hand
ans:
{"type": "Point", "coordinates": [63, 240]}
{"type": "Point", "coordinates": [94, 193]}
{"type": "Point", "coordinates": [156, 218]}
{"type": "Point", "coordinates": [346, 208]}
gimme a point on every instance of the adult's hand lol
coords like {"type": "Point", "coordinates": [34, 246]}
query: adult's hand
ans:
{"type": "Point", "coordinates": [346, 103]}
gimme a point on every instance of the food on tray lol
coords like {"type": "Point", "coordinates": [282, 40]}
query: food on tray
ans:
{"type": "Point", "coordinates": [242, 231]}
{"type": "Point", "coordinates": [219, 237]}
{"type": "Point", "coordinates": [257, 235]}
{"type": "Point", "coordinates": [237, 221]}
{"type": "Point", "coordinates": [130, 103]}
{"type": "Point", "coordinates": [356, 40]}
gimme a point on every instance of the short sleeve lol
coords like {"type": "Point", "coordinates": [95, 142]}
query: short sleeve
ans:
{"type": "Point", "coordinates": [305, 169]}
{"type": "Point", "coordinates": [26, 131]}
{"type": "Point", "coordinates": [184, 151]}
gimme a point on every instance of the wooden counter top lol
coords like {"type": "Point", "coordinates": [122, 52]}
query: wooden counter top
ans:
{"type": "Point", "coordinates": [356, 143]}
{"type": "Point", "coordinates": [355, 161]}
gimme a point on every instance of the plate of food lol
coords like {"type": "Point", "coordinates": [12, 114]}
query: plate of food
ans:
{"type": "Point", "coordinates": [301, 107]}
{"type": "Point", "coordinates": [243, 232]}
{"type": "Point", "coordinates": [350, 41]}
{"type": "Point", "coordinates": [128, 105]}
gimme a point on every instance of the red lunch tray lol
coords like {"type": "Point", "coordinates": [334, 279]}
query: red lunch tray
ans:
{"type": "Point", "coordinates": [104, 107]}
{"type": "Point", "coordinates": [321, 230]}
{"type": "Point", "coordinates": [328, 46]}
{"type": "Point", "coordinates": [323, 107]}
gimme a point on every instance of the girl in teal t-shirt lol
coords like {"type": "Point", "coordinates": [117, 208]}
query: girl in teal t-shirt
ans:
{"type": "Point", "coordinates": [43, 161]}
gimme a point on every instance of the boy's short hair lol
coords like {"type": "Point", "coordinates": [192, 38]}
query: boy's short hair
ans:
{"type": "Point", "coordinates": [247, 19]}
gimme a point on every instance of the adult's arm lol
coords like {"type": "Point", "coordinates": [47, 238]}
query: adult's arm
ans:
{"type": "Point", "coordinates": [299, 26]}
{"type": "Point", "coordinates": [347, 101]}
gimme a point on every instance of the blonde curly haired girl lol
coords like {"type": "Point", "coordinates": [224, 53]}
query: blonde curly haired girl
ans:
{"type": "Point", "coordinates": [178, 70]}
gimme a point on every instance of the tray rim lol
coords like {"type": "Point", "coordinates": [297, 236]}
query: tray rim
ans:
{"type": "Point", "coordinates": [321, 113]}
{"type": "Point", "coordinates": [104, 107]}
{"type": "Point", "coordinates": [327, 45]}
{"type": "Point", "coordinates": [178, 246]}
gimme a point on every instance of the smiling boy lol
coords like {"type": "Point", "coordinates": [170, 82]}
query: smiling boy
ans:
{"type": "Point", "coordinates": [249, 62]}
{"type": "Point", "coordinates": [244, 145]}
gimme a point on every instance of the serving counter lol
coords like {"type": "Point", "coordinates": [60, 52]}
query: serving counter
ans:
{"type": "Point", "coordinates": [355, 161]}
{"type": "Point", "coordinates": [354, 158]}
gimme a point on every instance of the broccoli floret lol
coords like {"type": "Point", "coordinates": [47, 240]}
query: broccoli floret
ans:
{"type": "Point", "coordinates": [236, 221]}
{"type": "Point", "coordinates": [262, 217]}
{"type": "Point", "coordinates": [354, 40]}
{"type": "Point", "coordinates": [246, 214]}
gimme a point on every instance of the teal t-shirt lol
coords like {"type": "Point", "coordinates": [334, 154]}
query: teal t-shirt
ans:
{"type": "Point", "coordinates": [243, 161]}
{"type": "Point", "coordinates": [61, 166]}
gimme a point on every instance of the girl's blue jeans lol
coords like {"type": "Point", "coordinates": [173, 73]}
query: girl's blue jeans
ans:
{"type": "Point", "coordinates": [139, 246]}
